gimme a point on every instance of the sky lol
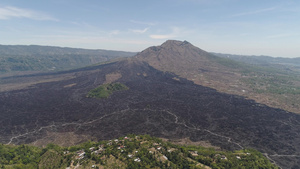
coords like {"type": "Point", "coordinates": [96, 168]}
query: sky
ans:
{"type": "Point", "coordinates": [256, 27]}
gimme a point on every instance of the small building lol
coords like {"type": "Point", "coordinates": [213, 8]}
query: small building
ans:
{"type": "Point", "coordinates": [194, 153]}
{"type": "Point", "coordinates": [223, 157]}
{"type": "Point", "coordinates": [171, 150]}
{"type": "Point", "coordinates": [97, 152]}
{"type": "Point", "coordinates": [137, 160]}
{"type": "Point", "coordinates": [80, 154]}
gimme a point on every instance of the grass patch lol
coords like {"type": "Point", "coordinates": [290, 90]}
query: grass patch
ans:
{"type": "Point", "coordinates": [105, 90]}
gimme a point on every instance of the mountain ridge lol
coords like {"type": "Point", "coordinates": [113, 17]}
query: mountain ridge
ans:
{"type": "Point", "coordinates": [225, 75]}
{"type": "Point", "coordinates": [23, 59]}
{"type": "Point", "coordinates": [45, 49]}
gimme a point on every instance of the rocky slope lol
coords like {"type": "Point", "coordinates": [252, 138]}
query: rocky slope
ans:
{"type": "Point", "coordinates": [270, 85]}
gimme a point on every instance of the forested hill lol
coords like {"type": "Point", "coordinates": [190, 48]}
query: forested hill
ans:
{"type": "Point", "coordinates": [262, 60]}
{"type": "Point", "coordinates": [131, 151]}
{"type": "Point", "coordinates": [16, 58]}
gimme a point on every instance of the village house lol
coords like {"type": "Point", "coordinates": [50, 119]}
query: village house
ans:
{"type": "Point", "coordinates": [223, 157]}
{"type": "Point", "coordinates": [155, 144]}
{"type": "Point", "coordinates": [137, 160]}
{"type": "Point", "coordinates": [121, 147]}
{"type": "Point", "coordinates": [171, 150]}
{"type": "Point", "coordinates": [97, 152]}
{"type": "Point", "coordinates": [165, 157]}
{"type": "Point", "coordinates": [80, 154]}
{"type": "Point", "coordinates": [194, 153]}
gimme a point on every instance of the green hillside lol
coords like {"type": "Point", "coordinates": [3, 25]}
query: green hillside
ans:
{"type": "Point", "coordinates": [132, 151]}
{"type": "Point", "coordinates": [20, 58]}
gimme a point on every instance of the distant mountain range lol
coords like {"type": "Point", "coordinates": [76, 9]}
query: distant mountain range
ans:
{"type": "Point", "coordinates": [174, 90]}
{"type": "Point", "coordinates": [33, 58]}
{"type": "Point", "coordinates": [261, 60]}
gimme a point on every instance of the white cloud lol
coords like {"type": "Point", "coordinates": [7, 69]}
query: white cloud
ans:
{"type": "Point", "coordinates": [9, 12]}
{"type": "Point", "coordinates": [176, 32]}
{"type": "Point", "coordinates": [114, 32]}
{"type": "Point", "coordinates": [283, 35]}
{"type": "Point", "coordinates": [254, 12]}
{"type": "Point", "coordinates": [139, 31]}
{"type": "Point", "coordinates": [143, 23]}
{"type": "Point", "coordinates": [162, 36]}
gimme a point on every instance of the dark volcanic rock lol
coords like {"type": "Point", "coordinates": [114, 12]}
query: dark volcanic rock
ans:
{"type": "Point", "coordinates": [157, 103]}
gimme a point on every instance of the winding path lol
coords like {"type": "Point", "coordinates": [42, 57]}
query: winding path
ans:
{"type": "Point", "coordinates": [194, 128]}
{"type": "Point", "coordinates": [176, 121]}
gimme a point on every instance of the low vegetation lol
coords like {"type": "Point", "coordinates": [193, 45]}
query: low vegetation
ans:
{"type": "Point", "coordinates": [132, 151]}
{"type": "Point", "coordinates": [275, 81]}
{"type": "Point", "coordinates": [34, 58]}
{"type": "Point", "coordinates": [106, 90]}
